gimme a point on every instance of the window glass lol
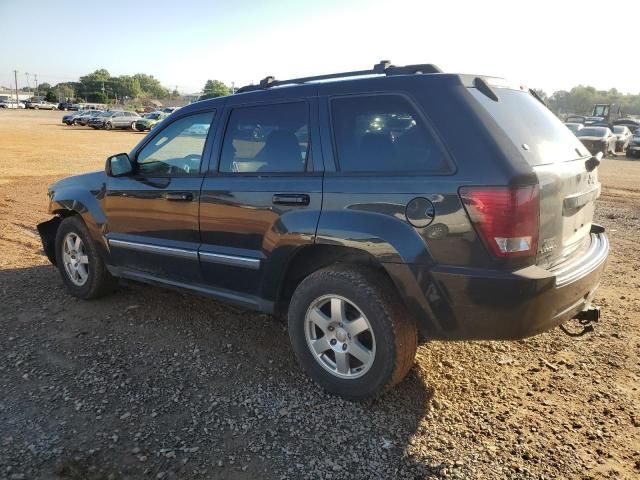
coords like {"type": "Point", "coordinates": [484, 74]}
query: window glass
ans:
{"type": "Point", "coordinates": [266, 138]}
{"type": "Point", "coordinates": [177, 149]}
{"type": "Point", "coordinates": [383, 133]}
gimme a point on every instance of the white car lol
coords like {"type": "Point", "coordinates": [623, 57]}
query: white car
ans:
{"type": "Point", "coordinates": [11, 104]}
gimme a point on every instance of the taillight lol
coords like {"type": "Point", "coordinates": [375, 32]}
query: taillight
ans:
{"type": "Point", "coordinates": [506, 218]}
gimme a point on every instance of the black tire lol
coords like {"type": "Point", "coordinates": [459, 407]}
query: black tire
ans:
{"type": "Point", "coordinates": [396, 337]}
{"type": "Point", "coordinates": [108, 126]}
{"type": "Point", "coordinates": [99, 281]}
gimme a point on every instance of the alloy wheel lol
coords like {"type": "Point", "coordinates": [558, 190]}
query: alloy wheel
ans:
{"type": "Point", "coordinates": [339, 336]}
{"type": "Point", "coordinates": [75, 259]}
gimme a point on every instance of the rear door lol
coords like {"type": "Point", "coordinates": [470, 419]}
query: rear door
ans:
{"type": "Point", "coordinates": [262, 198]}
{"type": "Point", "coordinates": [568, 190]}
{"type": "Point", "coordinates": [153, 226]}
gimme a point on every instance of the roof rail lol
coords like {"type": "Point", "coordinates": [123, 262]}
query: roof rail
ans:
{"type": "Point", "coordinates": [382, 68]}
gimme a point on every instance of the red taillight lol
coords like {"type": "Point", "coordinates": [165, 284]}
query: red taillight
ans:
{"type": "Point", "coordinates": [506, 218]}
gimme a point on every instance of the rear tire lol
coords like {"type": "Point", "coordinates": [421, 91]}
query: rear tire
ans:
{"type": "Point", "coordinates": [348, 357]}
{"type": "Point", "coordinates": [83, 271]}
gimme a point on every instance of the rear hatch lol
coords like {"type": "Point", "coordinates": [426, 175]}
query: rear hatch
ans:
{"type": "Point", "coordinates": [567, 190]}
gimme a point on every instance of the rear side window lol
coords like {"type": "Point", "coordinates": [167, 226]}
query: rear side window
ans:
{"type": "Point", "coordinates": [532, 127]}
{"type": "Point", "coordinates": [266, 139]}
{"type": "Point", "coordinates": [383, 133]}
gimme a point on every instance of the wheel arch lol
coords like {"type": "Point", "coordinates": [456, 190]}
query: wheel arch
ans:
{"type": "Point", "coordinates": [311, 258]}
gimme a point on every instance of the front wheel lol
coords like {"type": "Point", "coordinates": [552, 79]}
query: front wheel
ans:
{"type": "Point", "coordinates": [350, 331]}
{"type": "Point", "coordinates": [108, 125]}
{"type": "Point", "coordinates": [82, 269]}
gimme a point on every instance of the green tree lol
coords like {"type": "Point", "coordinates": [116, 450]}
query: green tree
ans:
{"type": "Point", "coordinates": [51, 96]}
{"type": "Point", "coordinates": [150, 86]}
{"type": "Point", "coordinates": [213, 89]}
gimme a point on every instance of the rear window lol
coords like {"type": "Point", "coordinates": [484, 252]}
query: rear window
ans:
{"type": "Point", "coordinates": [531, 125]}
{"type": "Point", "coordinates": [383, 133]}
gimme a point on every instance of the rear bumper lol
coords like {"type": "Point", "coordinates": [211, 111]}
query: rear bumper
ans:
{"type": "Point", "coordinates": [474, 304]}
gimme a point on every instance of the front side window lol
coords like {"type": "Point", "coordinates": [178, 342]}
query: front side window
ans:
{"type": "Point", "coordinates": [177, 149]}
{"type": "Point", "coordinates": [383, 133]}
{"type": "Point", "coordinates": [266, 139]}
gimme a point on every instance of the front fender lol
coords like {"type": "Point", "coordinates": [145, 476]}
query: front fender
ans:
{"type": "Point", "coordinates": [87, 204]}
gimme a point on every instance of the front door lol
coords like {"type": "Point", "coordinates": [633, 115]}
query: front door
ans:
{"type": "Point", "coordinates": [263, 200]}
{"type": "Point", "coordinates": [153, 214]}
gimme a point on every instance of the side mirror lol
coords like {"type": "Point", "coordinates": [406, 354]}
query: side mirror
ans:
{"type": "Point", "coordinates": [118, 165]}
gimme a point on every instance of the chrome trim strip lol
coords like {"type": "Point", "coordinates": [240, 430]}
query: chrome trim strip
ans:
{"type": "Point", "coordinates": [246, 262]}
{"type": "Point", "coordinates": [148, 248]}
{"type": "Point", "coordinates": [592, 259]}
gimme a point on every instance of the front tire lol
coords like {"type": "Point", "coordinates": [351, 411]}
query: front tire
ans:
{"type": "Point", "coordinates": [350, 331]}
{"type": "Point", "coordinates": [83, 271]}
{"type": "Point", "coordinates": [108, 126]}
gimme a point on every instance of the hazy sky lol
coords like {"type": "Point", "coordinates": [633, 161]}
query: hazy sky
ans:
{"type": "Point", "coordinates": [545, 44]}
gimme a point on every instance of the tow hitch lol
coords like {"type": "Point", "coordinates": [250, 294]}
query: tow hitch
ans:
{"type": "Point", "coordinates": [586, 318]}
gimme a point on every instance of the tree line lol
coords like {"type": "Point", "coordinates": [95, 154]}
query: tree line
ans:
{"type": "Point", "coordinates": [101, 87]}
{"type": "Point", "coordinates": [580, 100]}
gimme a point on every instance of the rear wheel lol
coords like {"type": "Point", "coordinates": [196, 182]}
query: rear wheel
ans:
{"type": "Point", "coordinates": [108, 125]}
{"type": "Point", "coordinates": [83, 271]}
{"type": "Point", "coordinates": [350, 331]}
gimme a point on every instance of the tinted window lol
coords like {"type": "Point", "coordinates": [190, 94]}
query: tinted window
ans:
{"type": "Point", "coordinates": [269, 138]}
{"type": "Point", "coordinates": [592, 132]}
{"type": "Point", "coordinates": [176, 149]}
{"type": "Point", "coordinates": [526, 121]}
{"type": "Point", "coordinates": [383, 133]}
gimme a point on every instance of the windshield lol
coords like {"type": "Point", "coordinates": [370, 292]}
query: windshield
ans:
{"type": "Point", "coordinates": [592, 132]}
{"type": "Point", "coordinates": [618, 129]}
{"type": "Point", "coordinates": [574, 127]}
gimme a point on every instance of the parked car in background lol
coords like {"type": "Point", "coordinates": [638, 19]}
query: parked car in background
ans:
{"type": "Point", "coordinates": [576, 119]}
{"type": "Point", "coordinates": [86, 116]}
{"type": "Point", "coordinates": [70, 118]}
{"type": "Point", "coordinates": [170, 110]}
{"type": "Point", "coordinates": [598, 139]}
{"type": "Point", "coordinates": [334, 235]}
{"type": "Point", "coordinates": [149, 120]}
{"type": "Point", "coordinates": [115, 119]}
{"type": "Point", "coordinates": [67, 106]}
{"type": "Point", "coordinates": [623, 137]}
{"type": "Point", "coordinates": [42, 105]}
{"type": "Point", "coordinates": [574, 127]}
{"type": "Point", "coordinates": [631, 123]}
{"type": "Point", "coordinates": [633, 151]}
{"type": "Point", "coordinates": [11, 104]}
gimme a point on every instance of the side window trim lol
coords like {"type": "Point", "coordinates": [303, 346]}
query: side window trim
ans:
{"type": "Point", "coordinates": [419, 112]}
{"type": "Point", "coordinates": [225, 120]}
{"type": "Point", "coordinates": [206, 150]}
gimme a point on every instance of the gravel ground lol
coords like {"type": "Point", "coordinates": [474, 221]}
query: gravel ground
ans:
{"type": "Point", "coordinates": [150, 383]}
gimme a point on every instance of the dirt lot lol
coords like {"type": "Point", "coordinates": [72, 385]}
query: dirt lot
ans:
{"type": "Point", "coordinates": [150, 383]}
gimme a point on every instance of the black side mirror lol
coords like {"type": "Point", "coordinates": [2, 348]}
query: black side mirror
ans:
{"type": "Point", "coordinates": [118, 165]}
{"type": "Point", "coordinates": [594, 162]}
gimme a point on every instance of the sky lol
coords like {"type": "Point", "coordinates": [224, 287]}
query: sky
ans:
{"type": "Point", "coordinates": [544, 44]}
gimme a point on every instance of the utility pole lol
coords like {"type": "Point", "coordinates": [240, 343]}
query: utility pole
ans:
{"type": "Point", "coordinates": [15, 76]}
{"type": "Point", "coordinates": [35, 75]}
{"type": "Point", "coordinates": [26, 74]}
{"type": "Point", "coordinates": [233, 88]}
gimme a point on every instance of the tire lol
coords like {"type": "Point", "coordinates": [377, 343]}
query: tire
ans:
{"type": "Point", "coordinates": [98, 281]}
{"type": "Point", "coordinates": [390, 340]}
{"type": "Point", "coordinates": [108, 126]}
{"type": "Point", "coordinates": [133, 126]}
{"type": "Point", "coordinates": [36, 108]}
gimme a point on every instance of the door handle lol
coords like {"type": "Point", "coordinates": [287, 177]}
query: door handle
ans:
{"type": "Point", "coordinates": [178, 196]}
{"type": "Point", "coordinates": [290, 199]}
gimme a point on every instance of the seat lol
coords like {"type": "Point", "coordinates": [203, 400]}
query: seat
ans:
{"type": "Point", "coordinates": [281, 153]}
{"type": "Point", "coordinates": [377, 151]}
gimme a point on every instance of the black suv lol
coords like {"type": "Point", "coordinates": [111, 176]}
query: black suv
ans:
{"type": "Point", "coordinates": [368, 206]}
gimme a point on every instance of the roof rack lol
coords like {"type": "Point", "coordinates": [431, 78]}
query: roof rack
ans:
{"type": "Point", "coordinates": [382, 68]}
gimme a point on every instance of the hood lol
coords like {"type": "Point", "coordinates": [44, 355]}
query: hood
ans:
{"type": "Point", "coordinates": [86, 181]}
